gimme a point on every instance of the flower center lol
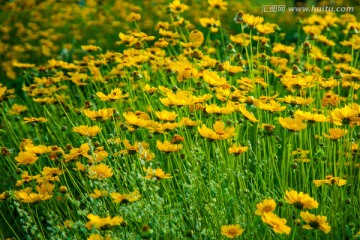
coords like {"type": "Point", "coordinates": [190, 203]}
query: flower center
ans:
{"type": "Point", "coordinates": [314, 225]}
{"type": "Point", "coordinates": [299, 205]}
{"type": "Point", "coordinates": [267, 209]}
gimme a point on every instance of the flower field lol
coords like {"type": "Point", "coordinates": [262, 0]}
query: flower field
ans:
{"type": "Point", "coordinates": [178, 120]}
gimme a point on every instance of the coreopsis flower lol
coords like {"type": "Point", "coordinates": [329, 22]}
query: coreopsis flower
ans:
{"type": "Point", "coordinates": [280, 48]}
{"type": "Point", "coordinates": [278, 224]}
{"type": "Point", "coordinates": [311, 117]}
{"type": "Point", "coordinates": [336, 133]}
{"type": "Point", "coordinates": [300, 200]}
{"type": "Point", "coordinates": [166, 115]}
{"type": "Point", "coordinates": [296, 100]}
{"type": "Point", "coordinates": [128, 40]}
{"type": "Point", "coordinates": [90, 48]}
{"type": "Point", "coordinates": [197, 37]}
{"type": "Point", "coordinates": [102, 223]}
{"type": "Point", "coordinates": [292, 124]}
{"type": "Point", "coordinates": [23, 65]}
{"type": "Point", "coordinates": [315, 222]}
{"type": "Point", "coordinates": [220, 132]}
{"type": "Point", "coordinates": [248, 115]}
{"type": "Point", "coordinates": [237, 149]}
{"type": "Point", "coordinates": [211, 23]}
{"type": "Point", "coordinates": [345, 115]}
{"type": "Point", "coordinates": [273, 106]}
{"type": "Point", "coordinates": [137, 120]}
{"type": "Point", "coordinates": [266, 28]}
{"type": "Point", "coordinates": [133, 17]}
{"type": "Point", "coordinates": [231, 231]}
{"type": "Point", "coordinates": [330, 98]}
{"type": "Point", "coordinates": [87, 130]}
{"type": "Point", "coordinates": [101, 114]}
{"type": "Point", "coordinates": [99, 237]}
{"type": "Point", "coordinates": [188, 122]}
{"type": "Point", "coordinates": [26, 158]}
{"type": "Point", "coordinates": [213, 79]}
{"type": "Point", "coordinates": [38, 150]}
{"type": "Point", "coordinates": [215, 109]}
{"type": "Point", "coordinates": [100, 171]}
{"type": "Point", "coordinates": [252, 21]}
{"type": "Point", "coordinates": [266, 206]}
{"type": "Point", "coordinates": [34, 120]}
{"type": "Point", "coordinates": [168, 147]}
{"type": "Point", "coordinates": [27, 196]}
{"type": "Point", "coordinates": [99, 193]}
{"type": "Point", "coordinates": [17, 109]}
{"type": "Point", "coordinates": [330, 180]}
{"type": "Point", "coordinates": [242, 39]}
{"type": "Point", "coordinates": [124, 198]}
{"type": "Point", "coordinates": [177, 7]}
{"type": "Point", "coordinates": [114, 95]}
{"type": "Point", "coordinates": [156, 173]}
{"type": "Point", "coordinates": [217, 5]}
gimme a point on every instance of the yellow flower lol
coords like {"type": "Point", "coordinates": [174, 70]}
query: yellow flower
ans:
{"type": "Point", "coordinates": [133, 17]}
{"type": "Point", "coordinates": [292, 124]}
{"type": "Point", "coordinates": [157, 173]}
{"type": "Point", "coordinates": [99, 193]}
{"type": "Point", "coordinates": [300, 200]}
{"type": "Point", "coordinates": [266, 28]}
{"type": "Point", "coordinates": [336, 133]}
{"type": "Point", "coordinates": [268, 205]}
{"type": "Point", "coordinates": [280, 48]}
{"type": "Point", "coordinates": [100, 171]}
{"type": "Point", "coordinates": [329, 181]}
{"type": "Point", "coordinates": [114, 95]}
{"type": "Point", "coordinates": [124, 198]}
{"type": "Point", "coordinates": [26, 158]}
{"type": "Point", "coordinates": [231, 231]}
{"type": "Point", "coordinates": [237, 149]}
{"type": "Point", "coordinates": [90, 48]}
{"type": "Point", "coordinates": [166, 116]}
{"type": "Point", "coordinates": [278, 224]}
{"type": "Point", "coordinates": [315, 222]}
{"type": "Point", "coordinates": [252, 21]}
{"type": "Point", "coordinates": [39, 149]}
{"type": "Point", "coordinates": [273, 106]}
{"type": "Point", "coordinates": [101, 114]}
{"type": "Point", "coordinates": [345, 115]}
{"type": "Point", "coordinates": [217, 4]}
{"type": "Point", "coordinates": [248, 115]}
{"type": "Point", "coordinates": [87, 131]}
{"type": "Point", "coordinates": [34, 120]}
{"type": "Point", "coordinates": [17, 109]}
{"type": "Point", "coordinates": [102, 223]}
{"type": "Point", "coordinates": [98, 237]}
{"type": "Point", "coordinates": [196, 37]}
{"type": "Point", "coordinates": [25, 195]}
{"type": "Point", "coordinates": [168, 147]}
{"type": "Point", "coordinates": [178, 7]}
{"type": "Point", "coordinates": [219, 132]}
{"type": "Point", "coordinates": [211, 23]}
{"type": "Point", "coordinates": [311, 117]}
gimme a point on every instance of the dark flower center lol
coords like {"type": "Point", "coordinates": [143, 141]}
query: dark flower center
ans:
{"type": "Point", "coordinates": [314, 225]}
{"type": "Point", "coordinates": [299, 205]}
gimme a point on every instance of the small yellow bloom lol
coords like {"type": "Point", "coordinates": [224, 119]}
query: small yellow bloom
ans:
{"type": "Point", "coordinates": [278, 224]}
{"type": "Point", "coordinates": [87, 131]}
{"type": "Point", "coordinates": [315, 222]}
{"type": "Point", "coordinates": [166, 146]}
{"type": "Point", "coordinates": [268, 205]}
{"type": "Point", "coordinates": [300, 200]}
{"type": "Point", "coordinates": [26, 158]}
{"type": "Point", "coordinates": [100, 171]}
{"type": "Point", "coordinates": [231, 231]}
